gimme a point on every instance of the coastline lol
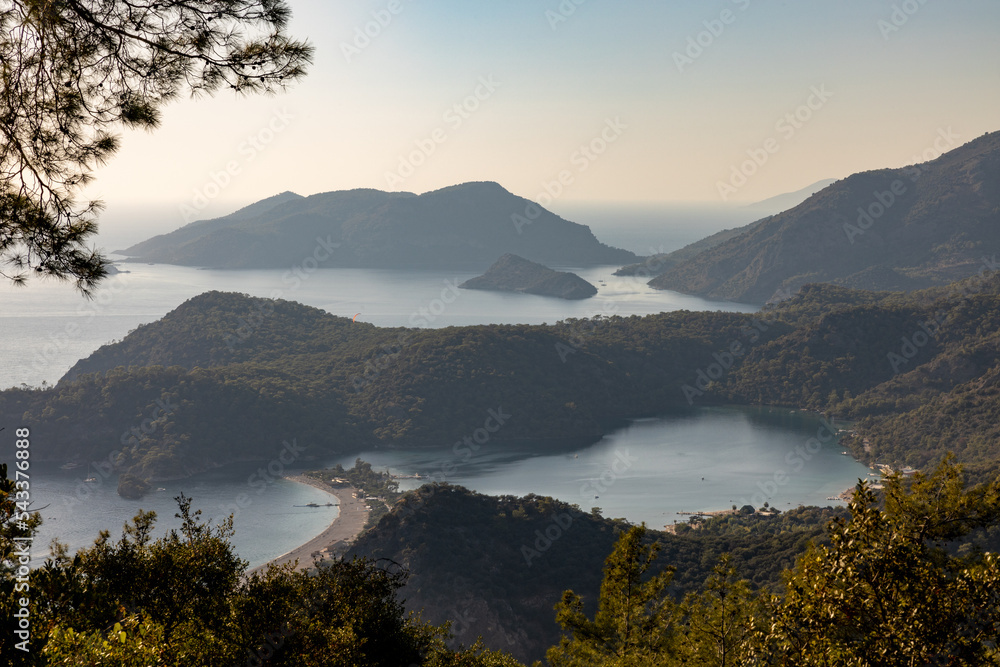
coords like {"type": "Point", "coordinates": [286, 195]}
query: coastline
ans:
{"type": "Point", "coordinates": [351, 518]}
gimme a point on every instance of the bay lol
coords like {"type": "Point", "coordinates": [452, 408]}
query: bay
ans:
{"type": "Point", "coordinates": [45, 329]}
{"type": "Point", "coordinates": [654, 470]}
{"type": "Point", "coordinates": [266, 521]}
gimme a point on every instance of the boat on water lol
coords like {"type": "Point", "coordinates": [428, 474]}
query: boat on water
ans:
{"type": "Point", "coordinates": [91, 479]}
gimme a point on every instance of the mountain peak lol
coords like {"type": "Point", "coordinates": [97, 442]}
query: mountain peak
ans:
{"type": "Point", "coordinates": [462, 226]}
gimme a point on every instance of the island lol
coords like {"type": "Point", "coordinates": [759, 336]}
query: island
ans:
{"type": "Point", "coordinates": [463, 227]}
{"type": "Point", "coordinates": [512, 273]}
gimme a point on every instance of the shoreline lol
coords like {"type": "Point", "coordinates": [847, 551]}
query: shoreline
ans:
{"type": "Point", "coordinates": [351, 518]}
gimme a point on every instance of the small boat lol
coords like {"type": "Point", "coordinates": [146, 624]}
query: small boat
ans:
{"type": "Point", "coordinates": [91, 479]}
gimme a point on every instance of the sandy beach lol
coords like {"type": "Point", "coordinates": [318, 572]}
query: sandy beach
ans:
{"type": "Point", "coordinates": [335, 538]}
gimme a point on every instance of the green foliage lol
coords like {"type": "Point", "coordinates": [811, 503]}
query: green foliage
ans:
{"type": "Point", "coordinates": [885, 590]}
{"type": "Point", "coordinates": [724, 623]}
{"type": "Point", "coordinates": [186, 599]}
{"type": "Point", "coordinates": [75, 71]}
{"type": "Point", "coordinates": [132, 486]}
{"type": "Point", "coordinates": [241, 373]}
{"type": "Point", "coordinates": [895, 582]}
{"type": "Point", "coordinates": [633, 624]}
{"type": "Point", "coordinates": [488, 563]}
{"type": "Point", "coordinates": [132, 643]}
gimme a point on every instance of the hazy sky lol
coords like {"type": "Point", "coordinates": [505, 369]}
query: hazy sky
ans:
{"type": "Point", "coordinates": [668, 95]}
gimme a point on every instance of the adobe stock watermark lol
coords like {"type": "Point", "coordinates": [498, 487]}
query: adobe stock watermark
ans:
{"type": "Point", "coordinates": [786, 126]}
{"type": "Point", "coordinates": [698, 43]}
{"type": "Point", "coordinates": [465, 449]}
{"type": "Point", "coordinates": [462, 451]}
{"type": "Point", "coordinates": [424, 316]}
{"type": "Point", "coordinates": [913, 343]}
{"type": "Point", "coordinates": [365, 34]}
{"type": "Point", "coordinates": [727, 358]}
{"type": "Point", "coordinates": [930, 330]}
{"type": "Point", "coordinates": [796, 459]}
{"type": "Point", "coordinates": [248, 150]}
{"type": "Point", "coordinates": [581, 159]}
{"type": "Point", "coordinates": [886, 199]}
{"type": "Point", "coordinates": [293, 278]}
{"type": "Point", "coordinates": [562, 13]}
{"type": "Point", "coordinates": [583, 328]}
{"type": "Point", "coordinates": [97, 472]}
{"type": "Point", "coordinates": [454, 118]}
{"type": "Point", "coordinates": [265, 476]}
{"type": "Point", "coordinates": [58, 341]}
{"type": "Point", "coordinates": [561, 522]}
{"type": "Point", "coordinates": [900, 16]}
{"type": "Point", "coordinates": [101, 471]}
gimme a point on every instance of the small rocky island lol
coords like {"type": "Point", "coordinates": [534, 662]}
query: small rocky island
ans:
{"type": "Point", "coordinates": [511, 273]}
{"type": "Point", "coordinates": [132, 486]}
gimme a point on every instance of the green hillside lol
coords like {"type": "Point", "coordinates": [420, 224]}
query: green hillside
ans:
{"type": "Point", "coordinates": [227, 377]}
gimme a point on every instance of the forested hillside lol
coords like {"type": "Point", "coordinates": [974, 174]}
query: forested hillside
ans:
{"type": "Point", "coordinates": [496, 566]}
{"type": "Point", "coordinates": [228, 377]}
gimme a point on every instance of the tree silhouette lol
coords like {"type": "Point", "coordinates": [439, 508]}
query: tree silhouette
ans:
{"type": "Point", "coordinates": [73, 71]}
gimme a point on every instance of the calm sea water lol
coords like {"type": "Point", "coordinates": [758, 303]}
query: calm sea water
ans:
{"type": "Point", "coordinates": [266, 521]}
{"type": "Point", "coordinates": [645, 472]}
{"type": "Point", "coordinates": [700, 459]}
{"type": "Point", "coordinates": [47, 327]}
{"type": "Point", "coordinates": [695, 460]}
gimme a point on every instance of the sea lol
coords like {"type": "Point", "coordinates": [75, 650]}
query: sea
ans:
{"type": "Point", "coordinates": [652, 470]}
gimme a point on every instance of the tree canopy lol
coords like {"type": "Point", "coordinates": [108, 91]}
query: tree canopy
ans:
{"type": "Point", "coordinates": [74, 71]}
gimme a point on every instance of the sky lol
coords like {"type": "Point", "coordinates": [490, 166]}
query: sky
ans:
{"type": "Point", "coordinates": [591, 101]}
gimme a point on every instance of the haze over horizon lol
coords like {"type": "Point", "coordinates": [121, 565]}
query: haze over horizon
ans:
{"type": "Point", "coordinates": [672, 99]}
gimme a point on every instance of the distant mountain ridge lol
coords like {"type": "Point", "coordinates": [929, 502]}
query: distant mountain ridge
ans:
{"type": "Point", "coordinates": [894, 229]}
{"type": "Point", "coordinates": [460, 227]}
{"type": "Point", "coordinates": [511, 273]}
{"type": "Point", "coordinates": [654, 265]}
{"type": "Point", "coordinates": [787, 200]}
